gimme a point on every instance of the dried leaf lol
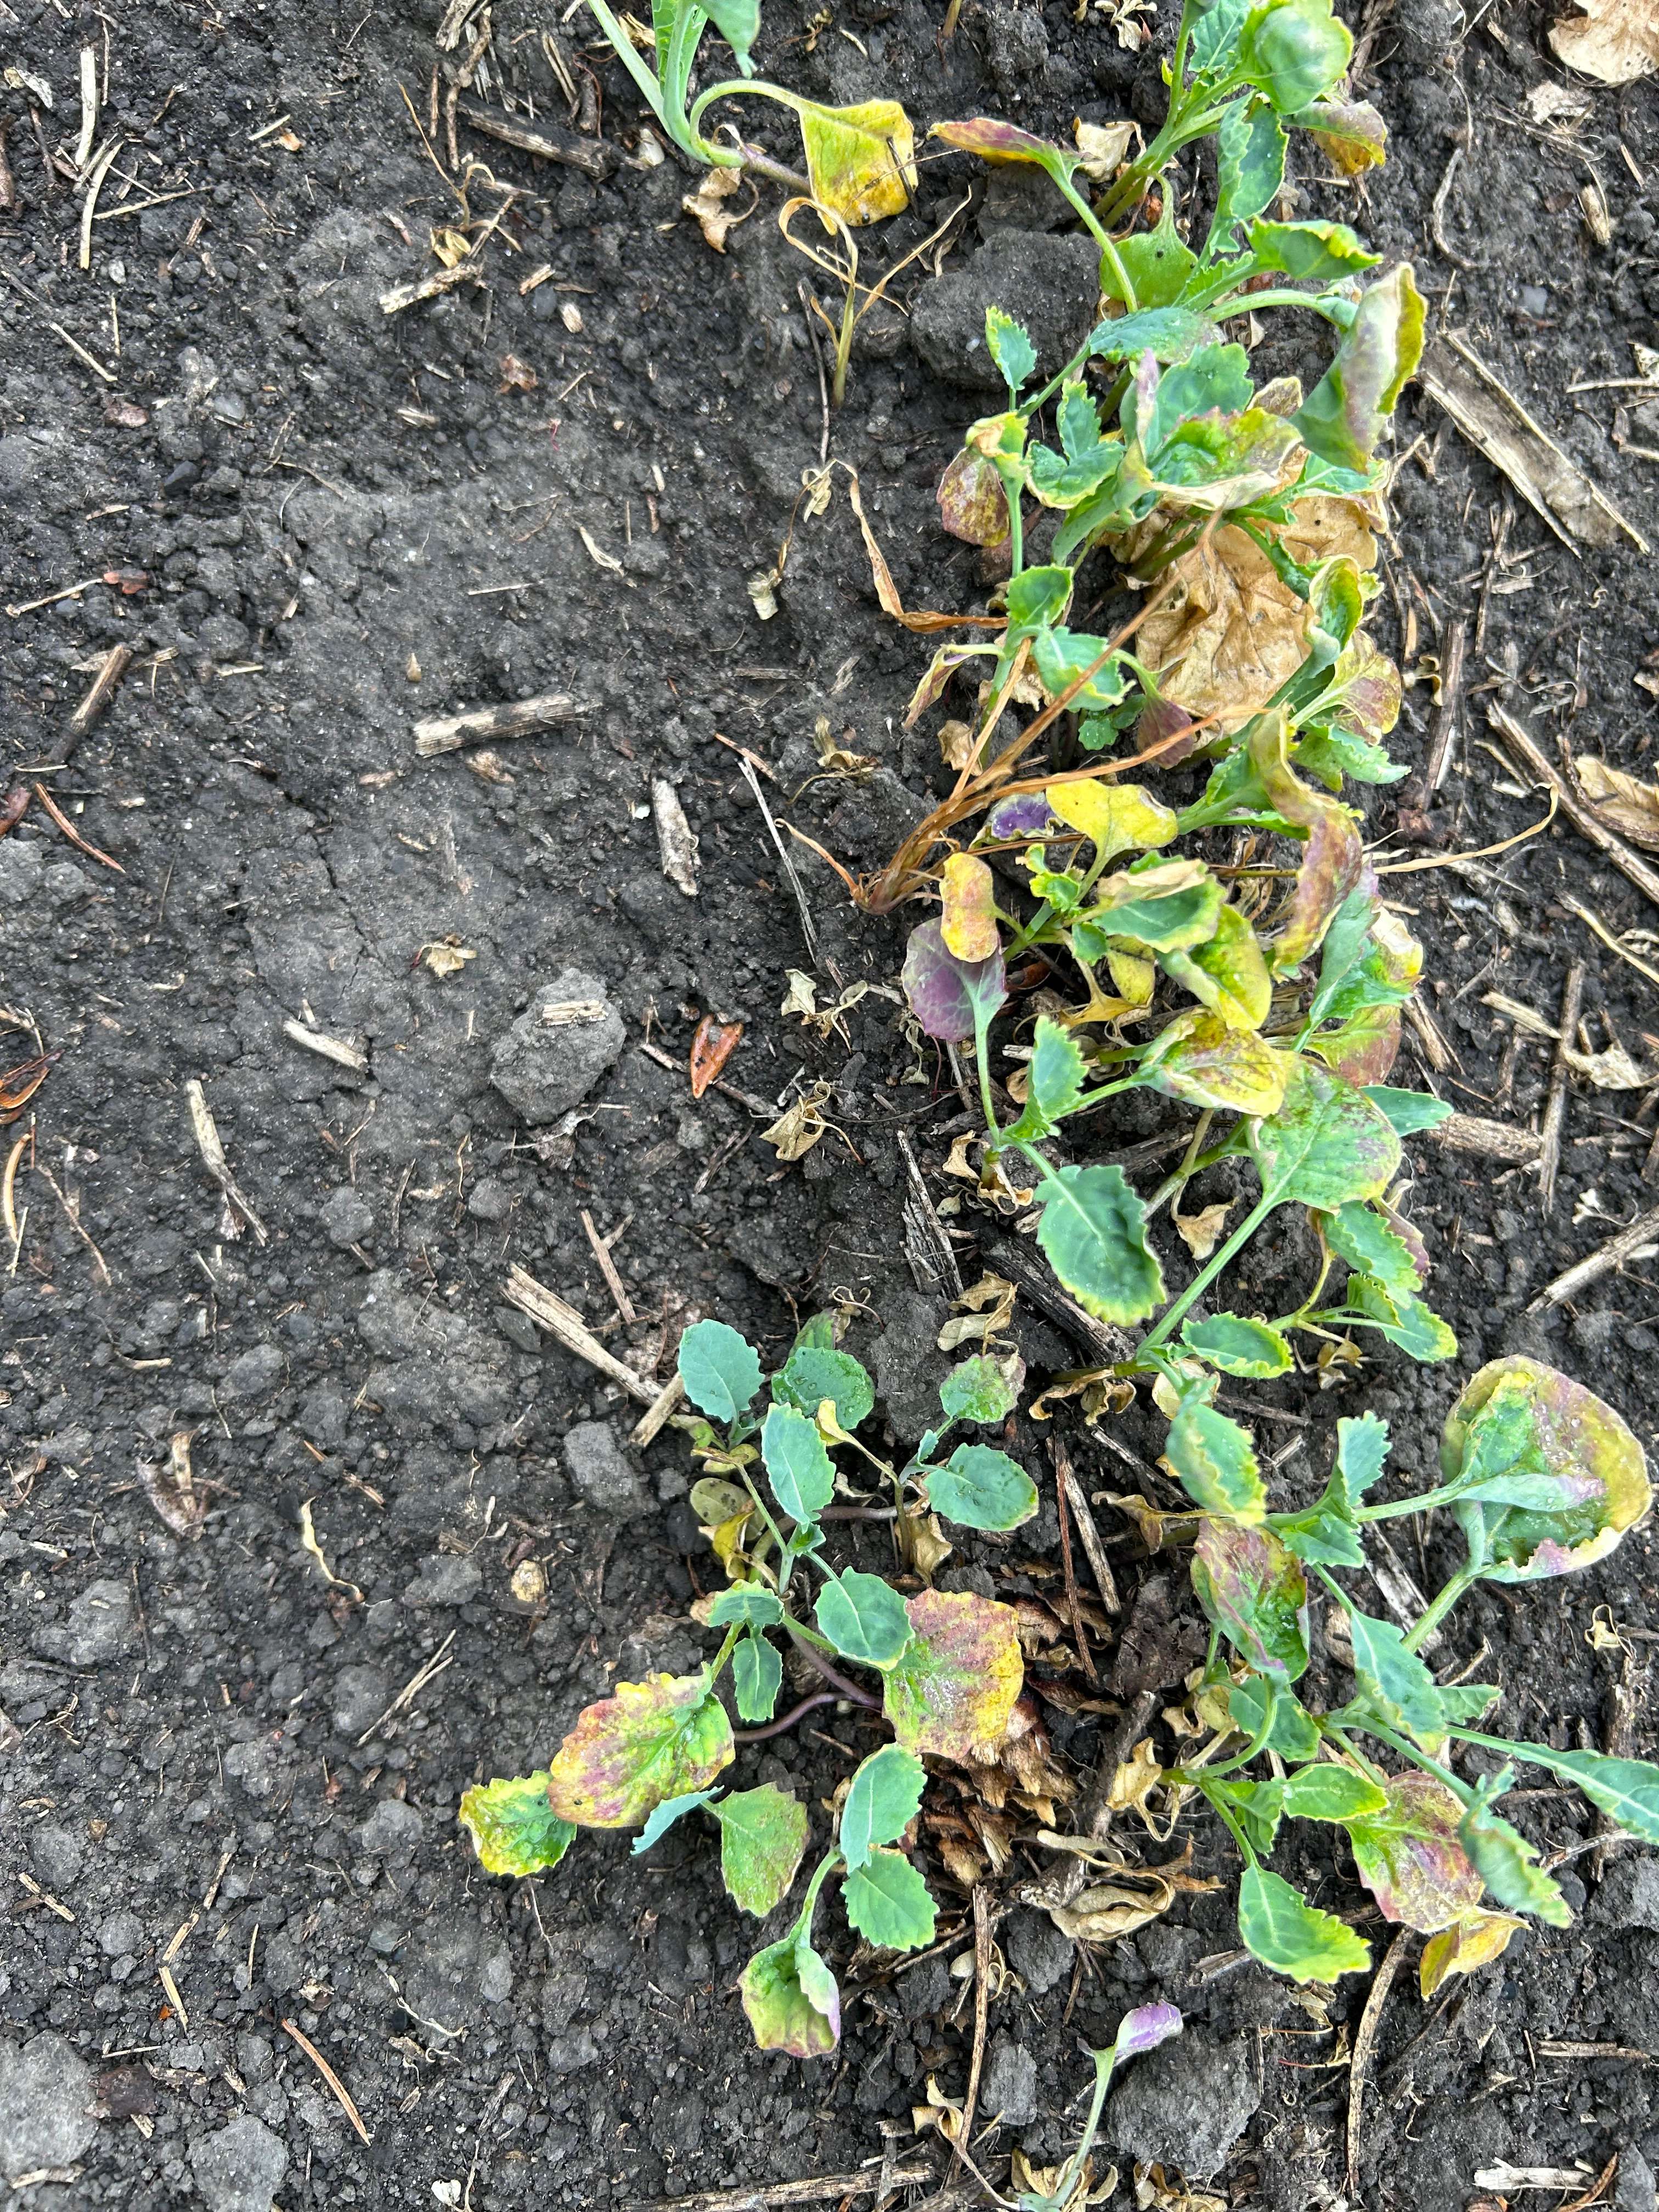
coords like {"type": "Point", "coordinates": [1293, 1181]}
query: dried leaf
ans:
{"type": "Point", "coordinates": [1623, 802]}
{"type": "Point", "coordinates": [445, 956]}
{"type": "Point", "coordinates": [1201, 1232]}
{"type": "Point", "coordinates": [989, 1306]}
{"type": "Point", "coordinates": [968, 924]}
{"type": "Point", "coordinates": [170, 1487]}
{"type": "Point", "coordinates": [711, 1048]}
{"type": "Point", "coordinates": [1134, 1782]}
{"type": "Point", "coordinates": [516, 375]}
{"type": "Point", "coordinates": [1473, 1941]}
{"type": "Point", "coordinates": [707, 204]}
{"type": "Point", "coordinates": [1614, 41]}
{"type": "Point", "coordinates": [1611, 1069]}
{"type": "Point", "coordinates": [795, 1131]}
{"type": "Point", "coordinates": [802, 997]}
{"type": "Point", "coordinates": [956, 745]}
{"type": "Point", "coordinates": [836, 759]}
{"type": "Point", "coordinates": [675, 843]}
{"type": "Point", "coordinates": [1104, 147]}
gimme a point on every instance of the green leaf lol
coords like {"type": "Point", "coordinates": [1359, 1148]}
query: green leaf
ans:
{"type": "Point", "coordinates": [1292, 1937]}
{"type": "Point", "coordinates": [1214, 35]}
{"type": "Point", "coordinates": [1326, 1145]}
{"type": "Point", "coordinates": [762, 1835]}
{"type": "Point", "coordinates": [1011, 347]}
{"type": "Point", "coordinates": [1327, 251]}
{"type": "Point", "coordinates": [790, 1999]}
{"type": "Point", "coordinates": [1093, 1234]}
{"type": "Point", "coordinates": [1342, 418]}
{"type": "Point", "coordinates": [747, 1602]}
{"type": "Point", "coordinates": [756, 1678]}
{"type": "Point", "coordinates": [721, 1373]}
{"type": "Point", "coordinates": [812, 1375]}
{"type": "Point", "coordinates": [1392, 1680]}
{"type": "Point", "coordinates": [1408, 1111]}
{"type": "Point", "coordinates": [882, 1800]}
{"type": "Point", "coordinates": [982, 1489]}
{"type": "Point", "coordinates": [737, 22]}
{"type": "Point", "coordinates": [1403, 1319]}
{"type": "Point", "coordinates": [1200, 1058]}
{"type": "Point", "coordinates": [1409, 1855]}
{"type": "Point", "coordinates": [1332, 1793]}
{"type": "Point", "coordinates": [1253, 1588]}
{"type": "Point", "coordinates": [1625, 1789]}
{"type": "Point", "coordinates": [1159, 263]}
{"type": "Point", "coordinates": [1356, 1232]}
{"type": "Point", "coordinates": [1343, 948]}
{"type": "Point", "coordinates": [1293, 1734]}
{"type": "Point", "coordinates": [888, 1903]}
{"type": "Point", "coordinates": [802, 1477]}
{"type": "Point", "coordinates": [977, 1389]}
{"type": "Point", "coordinates": [1249, 167]}
{"type": "Point", "coordinates": [1294, 51]}
{"type": "Point", "coordinates": [1237, 1346]}
{"type": "Point", "coordinates": [1168, 333]}
{"type": "Point", "coordinates": [1215, 1463]}
{"type": "Point", "coordinates": [1038, 597]}
{"type": "Point", "coordinates": [514, 1828]}
{"type": "Point", "coordinates": [1506, 1861]}
{"type": "Point", "coordinates": [1260, 1807]}
{"type": "Point", "coordinates": [1054, 1080]}
{"type": "Point", "coordinates": [1326, 1532]}
{"type": "Point", "coordinates": [1061, 656]}
{"type": "Point", "coordinates": [1362, 1453]}
{"type": "Point", "coordinates": [652, 1740]}
{"type": "Point", "coordinates": [955, 1686]}
{"type": "Point", "coordinates": [863, 1617]}
{"type": "Point", "coordinates": [665, 1815]}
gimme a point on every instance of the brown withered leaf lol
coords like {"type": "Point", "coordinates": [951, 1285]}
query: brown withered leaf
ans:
{"type": "Point", "coordinates": [1232, 632]}
{"type": "Point", "coordinates": [1132, 1785]}
{"type": "Point", "coordinates": [1201, 1232]}
{"type": "Point", "coordinates": [19, 1085]}
{"type": "Point", "coordinates": [1623, 802]}
{"type": "Point", "coordinates": [708, 205]}
{"type": "Point", "coordinates": [711, 1048]}
{"type": "Point", "coordinates": [170, 1487]}
{"type": "Point", "coordinates": [800, 1127]}
{"type": "Point", "coordinates": [1614, 41]}
{"type": "Point", "coordinates": [516, 375]}
{"type": "Point", "coordinates": [958, 1848]}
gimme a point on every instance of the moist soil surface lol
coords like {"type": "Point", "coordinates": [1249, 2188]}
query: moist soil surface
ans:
{"type": "Point", "coordinates": [233, 1754]}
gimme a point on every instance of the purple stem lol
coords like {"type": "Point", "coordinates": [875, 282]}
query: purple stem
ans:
{"type": "Point", "coordinates": [848, 1689]}
{"type": "Point", "coordinates": [777, 1728]}
{"type": "Point", "coordinates": [859, 1513]}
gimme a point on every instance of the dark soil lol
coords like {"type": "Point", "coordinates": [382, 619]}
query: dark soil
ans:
{"type": "Point", "coordinates": [343, 521]}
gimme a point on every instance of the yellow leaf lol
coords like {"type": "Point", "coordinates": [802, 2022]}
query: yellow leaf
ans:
{"type": "Point", "coordinates": [1116, 817]}
{"type": "Point", "coordinates": [861, 159]}
{"type": "Point", "coordinates": [969, 922]}
{"type": "Point", "coordinates": [1475, 1941]}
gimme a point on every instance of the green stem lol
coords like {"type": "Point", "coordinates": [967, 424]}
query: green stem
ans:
{"type": "Point", "coordinates": [1252, 1750]}
{"type": "Point", "coordinates": [732, 88]}
{"type": "Point", "coordinates": [646, 83]}
{"type": "Point", "coordinates": [1464, 1579]}
{"type": "Point", "coordinates": [1339, 1737]}
{"type": "Point", "coordinates": [1408, 1749]}
{"type": "Point", "coordinates": [1246, 302]}
{"type": "Point", "coordinates": [1189, 1167]}
{"type": "Point", "coordinates": [717, 1666]}
{"type": "Point", "coordinates": [1228, 1819]}
{"type": "Point", "coordinates": [1105, 2063]}
{"type": "Point", "coordinates": [1102, 237]}
{"type": "Point", "coordinates": [1206, 1274]}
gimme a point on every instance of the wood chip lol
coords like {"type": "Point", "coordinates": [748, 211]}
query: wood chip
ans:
{"type": "Point", "coordinates": [816, 2190]}
{"type": "Point", "coordinates": [655, 1416]}
{"type": "Point", "coordinates": [328, 1047]}
{"type": "Point", "coordinates": [104, 686]}
{"type": "Point", "coordinates": [213, 1159]}
{"type": "Point", "coordinates": [1555, 1107]}
{"type": "Point", "coordinates": [1487, 1139]}
{"type": "Point", "coordinates": [446, 733]}
{"type": "Point", "coordinates": [591, 155]}
{"type": "Point", "coordinates": [675, 841]}
{"type": "Point", "coordinates": [549, 1312]}
{"type": "Point", "coordinates": [1644, 1230]}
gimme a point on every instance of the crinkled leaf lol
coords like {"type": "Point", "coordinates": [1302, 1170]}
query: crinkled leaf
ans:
{"type": "Point", "coordinates": [1292, 1937]}
{"type": "Point", "coordinates": [1351, 134]}
{"type": "Point", "coordinates": [749, 1603]}
{"type": "Point", "coordinates": [882, 1800]}
{"type": "Point", "coordinates": [981, 1488]}
{"type": "Point", "coordinates": [952, 1692]}
{"type": "Point", "coordinates": [1403, 1318]}
{"type": "Point", "coordinates": [1469, 1943]}
{"type": "Point", "coordinates": [1294, 51]}
{"type": "Point", "coordinates": [798, 1466]}
{"type": "Point", "coordinates": [863, 1617]}
{"type": "Point", "coordinates": [969, 922]}
{"type": "Point", "coordinates": [1215, 1463]}
{"type": "Point", "coordinates": [1093, 1234]}
{"type": "Point", "coordinates": [1062, 657]}
{"type": "Point", "coordinates": [721, 1372]}
{"type": "Point", "coordinates": [1228, 974]}
{"type": "Point", "coordinates": [1170, 333]}
{"type": "Point", "coordinates": [861, 159]}
{"type": "Point", "coordinates": [1236, 1345]}
{"type": "Point", "coordinates": [977, 1389]}
{"type": "Point", "coordinates": [1011, 347]}
{"type": "Point", "coordinates": [1409, 1858]}
{"type": "Point", "coordinates": [1250, 165]}
{"type": "Point", "coordinates": [1508, 1863]}
{"type": "Point", "coordinates": [790, 1999]}
{"type": "Point", "coordinates": [811, 1374]}
{"type": "Point", "coordinates": [1625, 1789]}
{"type": "Point", "coordinates": [1253, 1588]}
{"type": "Point", "coordinates": [888, 1902]}
{"type": "Point", "coordinates": [756, 1678]}
{"type": "Point", "coordinates": [665, 1815]}
{"type": "Point", "coordinates": [1560, 1427]}
{"type": "Point", "coordinates": [945, 993]}
{"type": "Point", "coordinates": [762, 1835]}
{"type": "Point", "coordinates": [1342, 417]}
{"type": "Point", "coordinates": [513, 1829]}
{"type": "Point", "coordinates": [1198, 1058]}
{"type": "Point", "coordinates": [652, 1740]}
{"type": "Point", "coordinates": [972, 504]}
{"type": "Point", "coordinates": [1327, 1144]}
{"type": "Point", "coordinates": [1053, 1084]}
{"type": "Point", "coordinates": [1162, 905]}
{"type": "Point", "coordinates": [1356, 1232]}
{"type": "Point", "coordinates": [1332, 1793]}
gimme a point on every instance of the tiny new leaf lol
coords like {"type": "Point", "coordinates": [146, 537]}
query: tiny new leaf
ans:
{"type": "Point", "coordinates": [955, 1685]}
{"type": "Point", "coordinates": [982, 1489]}
{"type": "Point", "coordinates": [653, 1739]}
{"type": "Point", "coordinates": [514, 1828]}
{"type": "Point", "coordinates": [756, 1678]}
{"type": "Point", "coordinates": [1292, 1937]}
{"type": "Point", "coordinates": [721, 1372]}
{"type": "Point", "coordinates": [888, 1902]}
{"type": "Point", "coordinates": [762, 1835]}
{"type": "Point", "coordinates": [790, 1999]}
{"type": "Point", "coordinates": [977, 1389]}
{"type": "Point", "coordinates": [881, 1802]}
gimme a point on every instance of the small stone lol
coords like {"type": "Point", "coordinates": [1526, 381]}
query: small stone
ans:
{"type": "Point", "coordinates": [120, 1934]}
{"type": "Point", "coordinates": [240, 2168]}
{"type": "Point", "coordinates": [1187, 2104]}
{"type": "Point", "coordinates": [393, 1830]}
{"type": "Point", "coordinates": [360, 1698]}
{"type": "Point", "coordinates": [98, 1628]}
{"type": "Point", "coordinates": [1635, 2191]}
{"type": "Point", "coordinates": [600, 1474]}
{"type": "Point", "coordinates": [445, 1581]}
{"type": "Point", "coordinates": [1037, 1951]}
{"type": "Point", "coordinates": [45, 2091]}
{"type": "Point", "coordinates": [543, 1066]}
{"type": "Point", "coordinates": [570, 2052]}
{"type": "Point", "coordinates": [529, 1584]}
{"type": "Point", "coordinates": [255, 1374]}
{"type": "Point", "coordinates": [1010, 2091]}
{"type": "Point", "coordinates": [347, 1217]}
{"type": "Point", "coordinates": [489, 1201]}
{"type": "Point", "coordinates": [1049, 285]}
{"type": "Point", "coordinates": [59, 1856]}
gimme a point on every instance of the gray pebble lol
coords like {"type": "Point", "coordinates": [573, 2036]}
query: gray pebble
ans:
{"type": "Point", "coordinates": [240, 2168]}
{"type": "Point", "coordinates": [45, 2091]}
{"type": "Point", "coordinates": [444, 1580]}
{"type": "Point", "coordinates": [120, 1934]}
{"type": "Point", "coordinates": [600, 1472]}
{"type": "Point", "coordinates": [1009, 2090]}
{"type": "Point", "coordinates": [391, 1830]}
{"type": "Point", "coordinates": [57, 1854]}
{"type": "Point", "coordinates": [543, 1069]}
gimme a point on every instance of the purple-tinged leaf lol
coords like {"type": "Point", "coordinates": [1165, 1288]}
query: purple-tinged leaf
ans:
{"type": "Point", "coordinates": [972, 504]}
{"type": "Point", "coordinates": [1342, 417]}
{"type": "Point", "coordinates": [994, 140]}
{"type": "Point", "coordinates": [1027, 815]}
{"type": "Point", "coordinates": [1252, 1587]}
{"type": "Point", "coordinates": [1144, 2028]}
{"type": "Point", "coordinates": [958, 1680]}
{"type": "Point", "coordinates": [1410, 1859]}
{"type": "Point", "coordinates": [945, 993]}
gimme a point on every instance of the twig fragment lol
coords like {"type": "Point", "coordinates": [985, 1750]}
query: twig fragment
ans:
{"type": "Point", "coordinates": [808, 932]}
{"type": "Point", "coordinates": [655, 1417]}
{"type": "Point", "coordinates": [964, 2134]}
{"type": "Point", "coordinates": [213, 1159]}
{"type": "Point", "coordinates": [607, 1266]}
{"type": "Point", "coordinates": [1365, 2042]}
{"type": "Point", "coordinates": [1555, 1108]}
{"type": "Point", "coordinates": [816, 2190]}
{"type": "Point", "coordinates": [1442, 727]}
{"type": "Point", "coordinates": [444, 733]}
{"type": "Point", "coordinates": [328, 1047]}
{"type": "Point", "coordinates": [417, 1682]}
{"type": "Point", "coordinates": [1644, 1230]}
{"type": "Point", "coordinates": [104, 688]}
{"type": "Point", "coordinates": [1576, 809]}
{"type": "Point", "coordinates": [591, 155]}
{"type": "Point", "coordinates": [566, 1326]}
{"type": "Point", "coordinates": [331, 2077]}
